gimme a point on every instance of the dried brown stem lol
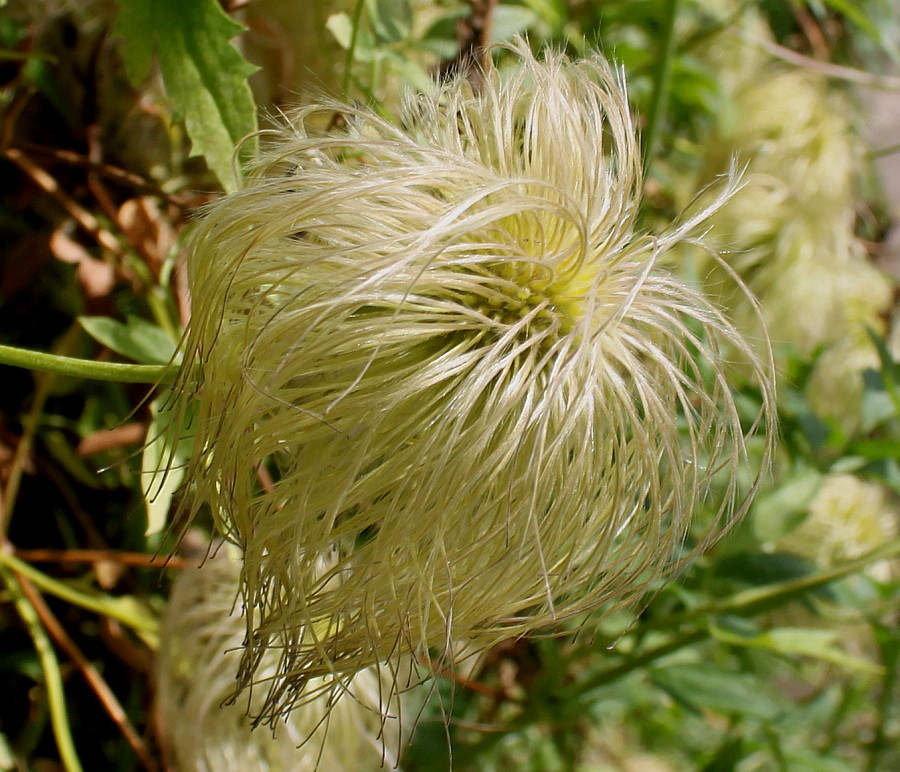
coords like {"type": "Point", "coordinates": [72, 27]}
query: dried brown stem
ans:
{"type": "Point", "coordinates": [105, 200]}
{"type": "Point", "coordinates": [10, 492]}
{"type": "Point", "coordinates": [849, 74]}
{"type": "Point", "coordinates": [121, 436]}
{"type": "Point", "coordinates": [100, 556]}
{"type": "Point", "coordinates": [140, 184]}
{"type": "Point", "coordinates": [49, 185]}
{"type": "Point", "coordinates": [812, 32]}
{"type": "Point", "coordinates": [468, 683]}
{"type": "Point", "coordinates": [473, 33]}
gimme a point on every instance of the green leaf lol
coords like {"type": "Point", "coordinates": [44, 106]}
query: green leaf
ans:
{"type": "Point", "coordinates": [552, 12]}
{"type": "Point", "coordinates": [889, 377]}
{"type": "Point", "coordinates": [761, 568]}
{"type": "Point", "coordinates": [137, 339]}
{"type": "Point", "coordinates": [875, 449]}
{"type": "Point", "coordinates": [888, 640]}
{"type": "Point", "coordinates": [804, 641]}
{"type": "Point", "coordinates": [727, 756]}
{"type": "Point", "coordinates": [886, 471]}
{"type": "Point", "coordinates": [415, 76]}
{"type": "Point", "coordinates": [391, 19]}
{"type": "Point", "coordinates": [440, 37]}
{"type": "Point", "coordinates": [855, 14]}
{"type": "Point", "coordinates": [511, 20]}
{"type": "Point", "coordinates": [877, 405]}
{"type": "Point", "coordinates": [810, 761]}
{"type": "Point", "coordinates": [204, 74]}
{"type": "Point", "coordinates": [340, 25]}
{"type": "Point", "coordinates": [729, 693]}
{"type": "Point", "coordinates": [779, 512]}
{"type": "Point", "coordinates": [164, 460]}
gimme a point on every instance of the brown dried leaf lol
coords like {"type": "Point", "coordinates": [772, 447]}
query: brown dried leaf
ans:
{"type": "Point", "coordinates": [147, 229]}
{"type": "Point", "coordinates": [95, 277]}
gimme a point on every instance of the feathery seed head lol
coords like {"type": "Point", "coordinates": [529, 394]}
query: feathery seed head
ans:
{"type": "Point", "coordinates": [472, 386]}
{"type": "Point", "coordinates": [790, 230]}
{"type": "Point", "coordinates": [356, 728]}
{"type": "Point", "coordinates": [848, 518]}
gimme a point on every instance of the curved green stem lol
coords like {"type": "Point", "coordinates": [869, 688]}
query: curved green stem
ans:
{"type": "Point", "coordinates": [662, 84]}
{"type": "Point", "coordinates": [761, 599]}
{"type": "Point", "coordinates": [743, 604]}
{"type": "Point", "coordinates": [888, 639]}
{"type": "Point", "coordinates": [610, 674]}
{"type": "Point", "coordinates": [86, 368]}
{"type": "Point", "coordinates": [121, 609]}
{"type": "Point", "coordinates": [53, 681]}
{"type": "Point", "coordinates": [351, 49]}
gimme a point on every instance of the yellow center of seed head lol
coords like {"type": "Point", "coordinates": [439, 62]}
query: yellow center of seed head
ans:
{"type": "Point", "coordinates": [529, 292]}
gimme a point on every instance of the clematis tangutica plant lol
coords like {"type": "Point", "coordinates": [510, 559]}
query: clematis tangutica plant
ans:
{"type": "Point", "coordinates": [435, 355]}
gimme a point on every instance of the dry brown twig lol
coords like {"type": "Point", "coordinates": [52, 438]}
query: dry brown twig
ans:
{"type": "Point", "coordinates": [812, 31]}
{"type": "Point", "coordinates": [121, 436]}
{"type": "Point", "coordinates": [49, 185]}
{"type": "Point", "coordinates": [139, 559]}
{"type": "Point", "coordinates": [473, 33]}
{"type": "Point", "coordinates": [122, 176]}
{"type": "Point", "coordinates": [849, 74]}
{"type": "Point", "coordinates": [97, 683]}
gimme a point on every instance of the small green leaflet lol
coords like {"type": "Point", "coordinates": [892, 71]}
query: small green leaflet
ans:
{"type": "Point", "coordinates": [340, 25]}
{"type": "Point", "coordinates": [391, 19]}
{"type": "Point", "coordinates": [165, 458]}
{"type": "Point", "coordinates": [777, 513]}
{"type": "Point", "coordinates": [808, 642]}
{"type": "Point", "coordinates": [136, 339]}
{"type": "Point", "coordinates": [204, 74]}
{"type": "Point", "coordinates": [729, 693]}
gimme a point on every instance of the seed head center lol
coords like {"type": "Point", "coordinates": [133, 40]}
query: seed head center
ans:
{"type": "Point", "coordinates": [522, 293]}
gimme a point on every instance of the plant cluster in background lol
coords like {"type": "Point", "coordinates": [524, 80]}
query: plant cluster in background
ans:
{"type": "Point", "coordinates": [777, 649]}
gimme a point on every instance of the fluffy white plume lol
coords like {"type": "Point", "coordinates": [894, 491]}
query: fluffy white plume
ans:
{"type": "Point", "coordinates": [353, 729]}
{"type": "Point", "coordinates": [472, 386]}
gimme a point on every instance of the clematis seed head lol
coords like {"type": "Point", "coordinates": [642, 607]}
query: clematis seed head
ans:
{"type": "Point", "coordinates": [472, 388]}
{"type": "Point", "coordinates": [356, 727]}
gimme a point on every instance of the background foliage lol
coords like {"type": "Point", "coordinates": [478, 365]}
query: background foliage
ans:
{"type": "Point", "coordinates": [776, 651]}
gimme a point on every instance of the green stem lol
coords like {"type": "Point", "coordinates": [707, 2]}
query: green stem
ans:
{"type": "Point", "coordinates": [760, 599]}
{"type": "Point", "coordinates": [351, 49]}
{"type": "Point", "coordinates": [53, 681]}
{"type": "Point", "coordinates": [120, 609]}
{"type": "Point", "coordinates": [775, 747]}
{"type": "Point", "coordinates": [662, 84]}
{"type": "Point", "coordinates": [648, 657]}
{"type": "Point", "coordinates": [890, 654]}
{"type": "Point", "coordinates": [742, 604]}
{"type": "Point", "coordinates": [883, 151]}
{"type": "Point", "coordinates": [157, 302]}
{"type": "Point", "coordinates": [86, 368]}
